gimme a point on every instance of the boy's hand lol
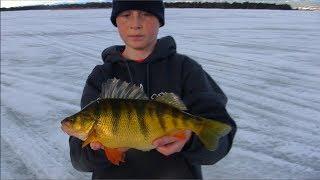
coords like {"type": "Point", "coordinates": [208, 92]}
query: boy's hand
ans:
{"type": "Point", "coordinates": [168, 145]}
{"type": "Point", "coordinates": [96, 146]}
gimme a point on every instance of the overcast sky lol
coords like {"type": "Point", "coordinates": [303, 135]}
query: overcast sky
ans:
{"type": "Point", "coordinates": [13, 3]}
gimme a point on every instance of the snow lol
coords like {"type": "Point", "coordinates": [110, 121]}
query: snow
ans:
{"type": "Point", "coordinates": [267, 62]}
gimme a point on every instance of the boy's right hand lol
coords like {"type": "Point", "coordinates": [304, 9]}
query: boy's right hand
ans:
{"type": "Point", "coordinates": [96, 146]}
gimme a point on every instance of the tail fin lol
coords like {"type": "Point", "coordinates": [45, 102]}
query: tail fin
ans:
{"type": "Point", "coordinates": [211, 132]}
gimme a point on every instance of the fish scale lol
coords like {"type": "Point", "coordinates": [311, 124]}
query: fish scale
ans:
{"type": "Point", "coordinates": [142, 122]}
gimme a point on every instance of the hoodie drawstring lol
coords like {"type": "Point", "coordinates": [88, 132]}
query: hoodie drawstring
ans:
{"type": "Point", "coordinates": [148, 80]}
{"type": "Point", "coordinates": [148, 76]}
{"type": "Point", "coordinates": [130, 75]}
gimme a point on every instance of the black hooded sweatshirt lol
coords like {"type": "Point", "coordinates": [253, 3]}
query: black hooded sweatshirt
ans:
{"type": "Point", "coordinates": [164, 70]}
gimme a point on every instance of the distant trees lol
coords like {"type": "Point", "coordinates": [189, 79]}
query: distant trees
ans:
{"type": "Point", "coordinates": [220, 5]}
{"type": "Point", "coordinates": [61, 6]}
{"type": "Point", "coordinates": [226, 5]}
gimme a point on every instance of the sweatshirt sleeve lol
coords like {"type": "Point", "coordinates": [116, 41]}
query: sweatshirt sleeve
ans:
{"type": "Point", "coordinates": [85, 159]}
{"type": "Point", "coordinates": [204, 98]}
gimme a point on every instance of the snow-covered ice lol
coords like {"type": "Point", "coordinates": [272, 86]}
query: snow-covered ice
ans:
{"type": "Point", "coordinates": [267, 62]}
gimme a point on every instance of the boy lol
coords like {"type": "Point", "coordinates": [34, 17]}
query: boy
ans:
{"type": "Point", "coordinates": [159, 68]}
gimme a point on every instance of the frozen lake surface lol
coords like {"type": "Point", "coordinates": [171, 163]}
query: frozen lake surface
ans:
{"type": "Point", "coordinates": [267, 62]}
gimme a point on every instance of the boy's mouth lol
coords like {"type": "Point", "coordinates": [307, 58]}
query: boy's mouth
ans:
{"type": "Point", "coordinates": [136, 37]}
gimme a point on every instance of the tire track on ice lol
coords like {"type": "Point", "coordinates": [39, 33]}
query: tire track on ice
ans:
{"type": "Point", "coordinates": [56, 105]}
{"type": "Point", "coordinates": [276, 95]}
{"type": "Point", "coordinates": [283, 95]}
{"type": "Point", "coordinates": [263, 81]}
{"type": "Point", "coordinates": [279, 165]}
{"type": "Point", "coordinates": [51, 94]}
{"type": "Point", "coordinates": [290, 151]}
{"type": "Point", "coordinates": [249, 69]}
{"type": "Point", "coordinates": [277, 141]}
{"type": "Point", "coordinates": [70, 48]}
{"type": "Point", "coordinates": [282, 133]}
{"type": "Point", "coordinates": [12, 167]}
{"type": "Point", "coordinates": [250, 101]}
{"type": "Point", "coordinates": [247, 121]}
{"type": "Point", "coordinates": [98, 37]}
{"type": "Point", "coordinates": [290, 147]}
{"type": "Point", "coordinates": [240, 162]}
{"type": "Point", "coordinates": [41, 80]}
{"type": "Point", "coordinates": [34, 151]}
{"type": "Point", "coordinates": [238, 61]}
{"type": "Point", "coordinates": [275, 118]}
{"type": "Point", "coordinates": [232, 43]}
{"type": "Point", "coordinates": [243, 87]}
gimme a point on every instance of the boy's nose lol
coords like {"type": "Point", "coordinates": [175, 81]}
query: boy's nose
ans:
{"type": "Point", "coordinates": [136, 23]}
{"type": "Point", "coordinates": [135, 27]}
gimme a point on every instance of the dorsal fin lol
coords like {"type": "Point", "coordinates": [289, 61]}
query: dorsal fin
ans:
{"type": "Point", "coordinates": [170, 99]}
{"type": "Point", "coordinates": [117, 89]}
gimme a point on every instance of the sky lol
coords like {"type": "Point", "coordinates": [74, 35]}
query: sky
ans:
{"type": "Point", "coordinates": [15, 3]}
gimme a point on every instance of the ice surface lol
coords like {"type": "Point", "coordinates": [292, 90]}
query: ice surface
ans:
{"type": "Point", "coordinates": [267, 62]}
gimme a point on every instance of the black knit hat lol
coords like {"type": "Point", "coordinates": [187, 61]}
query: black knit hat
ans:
{"type": "Point", "coordinates": [154, 7]}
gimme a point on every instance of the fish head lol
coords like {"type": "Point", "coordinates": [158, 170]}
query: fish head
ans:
{"type": "Point", "coordinates": [78, 125]}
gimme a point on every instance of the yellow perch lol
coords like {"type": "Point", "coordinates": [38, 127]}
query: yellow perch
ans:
{"type": "Point", "coordinates": [123, 117]}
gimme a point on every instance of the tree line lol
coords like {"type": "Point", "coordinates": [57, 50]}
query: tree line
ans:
{"type": "Point", "coordinates": [220, 5]}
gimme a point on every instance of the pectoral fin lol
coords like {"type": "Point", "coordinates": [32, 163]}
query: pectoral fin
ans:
{"type": "Point", "coordinates": [180, 135]}
{"type": "Point", "coordinates": [91, 138]}
{"type": "Point", "coordinates": [115, 156]}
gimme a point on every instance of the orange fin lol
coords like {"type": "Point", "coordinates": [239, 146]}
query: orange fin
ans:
{"type": "Point", "coordinates": [115, 156]}
{"type": "Point", "coordinates": [180, 135]}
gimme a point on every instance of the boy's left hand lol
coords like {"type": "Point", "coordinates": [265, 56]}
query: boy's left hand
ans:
{"type": "Point", "coordinates": [168, 145]}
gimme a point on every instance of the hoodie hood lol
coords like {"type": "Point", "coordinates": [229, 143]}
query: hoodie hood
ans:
{"type": "Point", "coordinates": [165, 47]}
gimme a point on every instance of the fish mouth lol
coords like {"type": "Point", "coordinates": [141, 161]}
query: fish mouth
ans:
{"type": "Point", "coordinates": [66, 127]}
{"type": "Point", "coordinates": [65, 121]}
{"type": "Point", "coordinates": [68, 130]}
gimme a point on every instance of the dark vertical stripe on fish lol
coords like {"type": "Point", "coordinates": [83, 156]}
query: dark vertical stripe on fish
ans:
{"type": "Point", "coordinates": [116, 113]}
{"type": "Point", "coordinates": [130, 111]}
{"type": "Point", "coordinates": [174, 114]}
{"type": "Point", "coordinates": [97, 109]}
{"type": "Point", "coordinates": [160, 113]}
{"type": "Point", "coordinates": [141, 114]}
{"type": "Point", "coordinates": [152, 111]}
{"type": "Point", "coordinates": [186, 119]}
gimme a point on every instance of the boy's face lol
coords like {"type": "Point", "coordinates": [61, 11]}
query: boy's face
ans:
{"type": "Point", "coordinates": [138, 29]}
